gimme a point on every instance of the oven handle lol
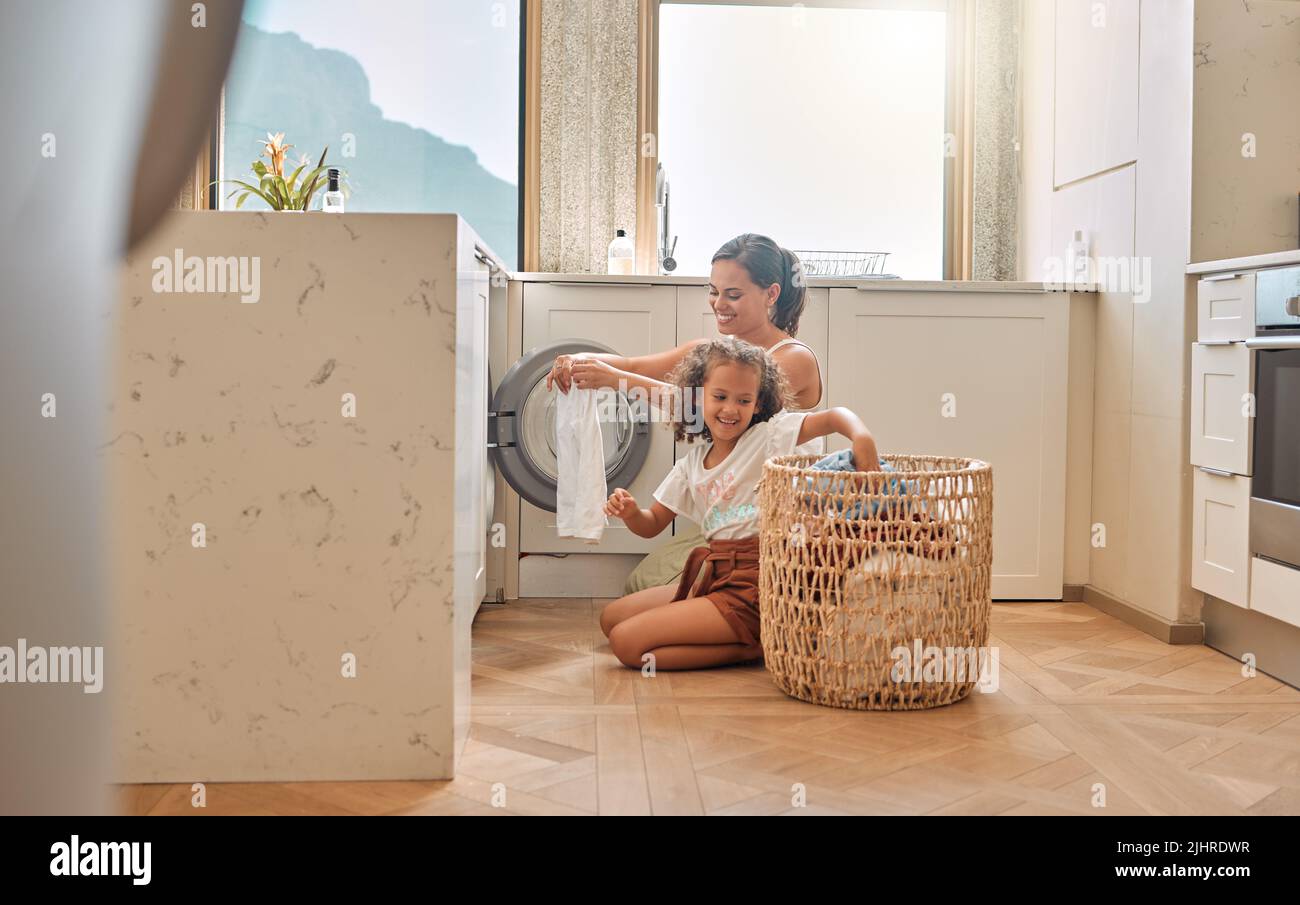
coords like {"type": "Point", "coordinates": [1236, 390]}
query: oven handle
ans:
{"type": "Point", "coordinates": [1273, 342]}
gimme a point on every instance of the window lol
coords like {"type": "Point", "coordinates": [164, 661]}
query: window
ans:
{"type": "Point", "coordinates": [820, 126]}
{"type": "Point", "coordinates": [417, 100]}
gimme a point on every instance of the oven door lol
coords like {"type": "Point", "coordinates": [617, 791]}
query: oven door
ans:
{"type": "Point", "coordinates": [1275, 485]}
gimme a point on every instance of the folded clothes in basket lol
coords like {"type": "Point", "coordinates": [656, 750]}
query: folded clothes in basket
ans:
{"type": "Point", "coordinates": [843, 461]}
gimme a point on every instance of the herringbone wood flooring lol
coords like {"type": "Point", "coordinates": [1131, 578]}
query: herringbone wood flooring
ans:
{"type": "Point", "coordinates": [1083, 700]}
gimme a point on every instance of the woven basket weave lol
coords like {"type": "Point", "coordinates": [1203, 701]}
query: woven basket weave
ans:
{"type": "Point", "coordinates": [856, 565]}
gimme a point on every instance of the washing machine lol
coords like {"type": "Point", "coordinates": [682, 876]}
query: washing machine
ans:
{"type": "Point", "coordinates": [521, 434]}
{"type": "Point", "coordinates": [549, 319]}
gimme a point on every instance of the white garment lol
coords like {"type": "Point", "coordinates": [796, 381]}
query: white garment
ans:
{"type": "Point", "coordinates": [580, 491]}
{"type": "Point", "coordinates": [817, 445]}
{"type": "Point", "coordinates": [723, 500]}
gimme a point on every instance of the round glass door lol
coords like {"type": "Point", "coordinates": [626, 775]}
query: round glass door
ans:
{"type": "Point", "coordinates": [537, 428]}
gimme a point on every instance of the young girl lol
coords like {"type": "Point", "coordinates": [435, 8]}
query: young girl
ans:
{"type": "Point", "coordinates": [710, 617]}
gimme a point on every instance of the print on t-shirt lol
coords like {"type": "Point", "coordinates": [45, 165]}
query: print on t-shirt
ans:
{"type": "Point", "coordinates": [723, 500]}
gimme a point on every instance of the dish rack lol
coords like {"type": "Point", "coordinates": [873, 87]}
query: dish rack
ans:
{"type": "Point", "coordinates": [843, 263]}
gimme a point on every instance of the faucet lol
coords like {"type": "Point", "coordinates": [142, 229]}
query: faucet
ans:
{"type": "Point", "coordinates": [664, 253]}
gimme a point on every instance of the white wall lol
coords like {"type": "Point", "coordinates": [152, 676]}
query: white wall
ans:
{"type": "Point", "coordinates": [1107, 149]}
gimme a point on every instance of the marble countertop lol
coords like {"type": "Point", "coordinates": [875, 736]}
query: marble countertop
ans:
{"type": "Point", "coordinates": [645, 279]}
{"type": "Point", "coordinates": [1253, 262]}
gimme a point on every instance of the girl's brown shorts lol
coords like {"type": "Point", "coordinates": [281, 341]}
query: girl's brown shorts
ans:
{"type": "Point", "coordinates": [726, 572]}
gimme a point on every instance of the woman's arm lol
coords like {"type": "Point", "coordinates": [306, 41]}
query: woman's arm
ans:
{"type": "Point", "coordinates": [604, 369]}
{"type": "Point", "coordinates": [840, 420]}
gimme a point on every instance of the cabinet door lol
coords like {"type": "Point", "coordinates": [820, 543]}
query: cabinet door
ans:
{"type": "Point", "coordinates": [1222, 378]}
{"type": "Point", "coordinates": [977, 375]}
{"type": "Point", "coordinates": [1097, 65]}
{"type": "Point", "coordinates": [483, 479]}
{"type": "Point", "coordinates": [633, 319]}
{"type": "Point", "coordinates": [1225, 308]}
{"type": "Point", "coordinates": [471, 405]}
{"type": "Point", "coordinates": [1221, 535]}
{"type": "Point", "coordinates": [1275, 590]}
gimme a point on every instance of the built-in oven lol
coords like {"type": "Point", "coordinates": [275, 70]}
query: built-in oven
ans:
{"type": "Point", "coordinates": [1275, 484]}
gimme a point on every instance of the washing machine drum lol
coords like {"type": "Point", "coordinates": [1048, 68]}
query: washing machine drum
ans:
{"type": "Point", "coordinates": [521, 427]}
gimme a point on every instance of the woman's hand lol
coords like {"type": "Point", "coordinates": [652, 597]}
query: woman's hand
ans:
{"type": "Point", "coordinates": [621, 505]}
{"type": "Point", "coordinates": [594, 374]}
{"type": "Point", "coordinates": [561, 372]}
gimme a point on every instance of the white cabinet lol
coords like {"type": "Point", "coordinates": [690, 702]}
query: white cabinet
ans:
{"type": "Point", "coordinates": [1225, 308]}
{"type": "Point", "coordinates": [1222, 377]}
{"type": "Point", "coordinates": [948, 374]}
{"type": "Point", "coordinates": [474, 494]}
{"type": "Point", "coordinates": [1220, 535]}
{"type": "Point", "coordinates": [1275, 590]}
{"type": "Point", "coordinates": [1096, 103]}
{"type": "Point", "coordinates": [632, 319]}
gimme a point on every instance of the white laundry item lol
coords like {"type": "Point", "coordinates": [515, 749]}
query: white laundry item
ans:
{"type": "Point", "coordinates": [580, 491]}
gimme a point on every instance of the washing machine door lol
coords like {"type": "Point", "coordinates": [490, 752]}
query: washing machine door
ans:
{"type": "Point", "coordinates": [521, 427]}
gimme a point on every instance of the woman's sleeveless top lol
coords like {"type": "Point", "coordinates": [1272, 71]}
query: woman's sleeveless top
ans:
{"type": "Point", "coordinates": [817, 445]}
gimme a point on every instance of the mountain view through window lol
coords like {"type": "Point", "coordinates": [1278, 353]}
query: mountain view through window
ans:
{"type": "Point", "coordinates": [377, 90]}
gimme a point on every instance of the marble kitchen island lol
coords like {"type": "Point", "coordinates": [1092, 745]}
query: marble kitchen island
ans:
{"type": "Point", "coordinates": [297, 474]}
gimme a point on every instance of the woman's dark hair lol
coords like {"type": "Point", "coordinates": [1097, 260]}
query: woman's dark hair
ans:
{"type": "Point", "coordinates": [691, 371]}
{"type": "Point", "coordinates": [768, 263]}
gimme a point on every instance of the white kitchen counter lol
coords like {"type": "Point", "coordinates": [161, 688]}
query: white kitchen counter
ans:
{"type": "Point", "coordinates": [646, 279]}
{"type": "Point", "coordinates": [1252, 262]}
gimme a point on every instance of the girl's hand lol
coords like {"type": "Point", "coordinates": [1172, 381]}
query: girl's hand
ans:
{"type": "Point", "coordinates": [594, 374]}
{"type": "Point", "coordinates": [865, 455]}
{"type": "Point", "coordinates": [621, 505]}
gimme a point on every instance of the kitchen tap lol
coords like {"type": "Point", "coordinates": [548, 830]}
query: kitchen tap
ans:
{"type": "Point", "coordinates": [664, 253]}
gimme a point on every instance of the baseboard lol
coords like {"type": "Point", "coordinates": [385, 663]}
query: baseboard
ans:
{"type": "Point", "coordinates": [1071, 593]}
{"type": "Point", "coordinates": [1237, 631]}
{"type": "Point", "coordinates": [1155, 626]}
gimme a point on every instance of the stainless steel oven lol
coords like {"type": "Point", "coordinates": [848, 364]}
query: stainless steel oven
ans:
{"type": "Point", "coordinates": [1275, 484]}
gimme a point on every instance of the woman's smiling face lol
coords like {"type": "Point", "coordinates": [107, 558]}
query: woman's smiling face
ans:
{"type": "Point", "coordinates": [741, 306]}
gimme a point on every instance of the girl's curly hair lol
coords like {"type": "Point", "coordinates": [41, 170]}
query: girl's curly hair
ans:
{"type": "Point", "coordinates": [773, 391]}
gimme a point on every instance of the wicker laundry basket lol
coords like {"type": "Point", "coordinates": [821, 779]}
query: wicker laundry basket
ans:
{"type": "Point", "coordinates": [874, 588]}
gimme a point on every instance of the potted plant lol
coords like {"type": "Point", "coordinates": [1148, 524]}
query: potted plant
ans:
{"type": "Point", "coordinates": [281, 193]}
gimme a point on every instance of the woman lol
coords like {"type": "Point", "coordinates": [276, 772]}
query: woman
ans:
{"type": "Point", "coordinates": [756, 290]}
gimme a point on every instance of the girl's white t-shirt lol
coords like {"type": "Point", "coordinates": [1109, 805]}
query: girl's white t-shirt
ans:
{"type": "Point", "coordinates": [723, 500]}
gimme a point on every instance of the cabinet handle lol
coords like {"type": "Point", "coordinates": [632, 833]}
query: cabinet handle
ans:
{"type": "Point", "coordinates": [1216, 471]}
{"type": "Point", "coordinates": [1216, 342]}
{"type": "Point", "coordinates": [482, 255]}
{"type": "Point", "coordinates": [1220, 276]}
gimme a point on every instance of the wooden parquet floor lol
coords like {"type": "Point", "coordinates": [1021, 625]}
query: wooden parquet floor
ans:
{"type": "Point", "coordinates": [1088, 710]}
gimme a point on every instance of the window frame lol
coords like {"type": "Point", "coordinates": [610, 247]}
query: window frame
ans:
{"type": "Point", "coordinates": [959, 106]}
